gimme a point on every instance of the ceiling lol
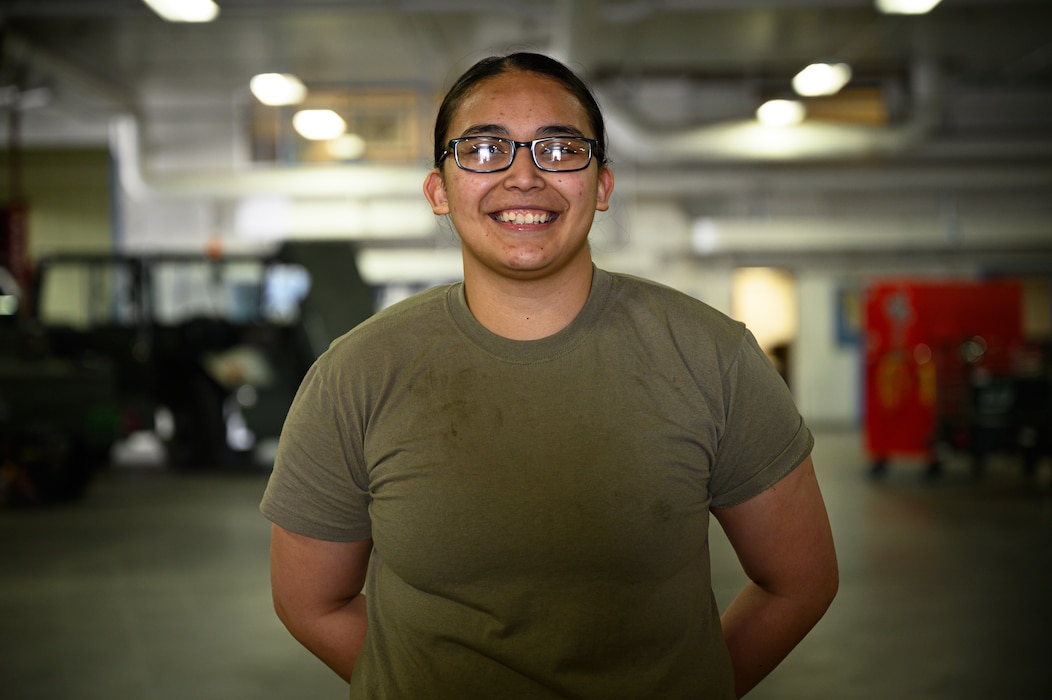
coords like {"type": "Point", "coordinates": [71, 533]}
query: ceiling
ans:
{"type": "Point", "coordinates": [955, 101]}
{"type": "Point", "coordinates": [667, 63]}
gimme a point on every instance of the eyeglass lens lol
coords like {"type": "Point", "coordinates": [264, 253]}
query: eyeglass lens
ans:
{"type": "Point", "coordinates": [489, 154]}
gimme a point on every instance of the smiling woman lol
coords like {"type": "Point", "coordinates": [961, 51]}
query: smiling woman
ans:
{"type": "Point", "coordinates": [521, 218]}
{"type": "Point", "coordinates": [520, 468]}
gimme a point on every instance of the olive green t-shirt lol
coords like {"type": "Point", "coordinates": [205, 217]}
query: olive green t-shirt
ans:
{"type": "Point", "coordinates": [539, 509]}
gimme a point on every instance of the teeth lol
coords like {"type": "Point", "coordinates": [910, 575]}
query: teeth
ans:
{"type": "Point", "coordinates": [521, 218]}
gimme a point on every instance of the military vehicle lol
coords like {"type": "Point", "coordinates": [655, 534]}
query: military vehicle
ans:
{"type": "Point", "coordinates": [204, 353]}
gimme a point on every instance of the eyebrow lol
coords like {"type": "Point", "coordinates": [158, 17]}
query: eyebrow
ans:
{"type": "Point", "coordinates": [502, 131]}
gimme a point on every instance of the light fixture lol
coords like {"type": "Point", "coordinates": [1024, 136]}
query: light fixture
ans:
{"type": "Point", "coordinates": [8, 304]}
{"type": "Point", "coordinates": [277, 89]}
{"type": "Point", "coordinates": [318, 124]}
{"type": "Point", "coordinates": [821, 79]}
{"type": "Point", "coordinates": [781, 113]}
{"type": "Point", "coordinates": [906, 7]}
{"type": "Point", "coordinates": [347, 147]}
{"type": "Point", "coordinates": [185, 10]}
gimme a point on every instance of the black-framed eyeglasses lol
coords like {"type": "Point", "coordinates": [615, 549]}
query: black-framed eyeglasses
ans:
{"type": "Point", "coordinates": [491, 154]}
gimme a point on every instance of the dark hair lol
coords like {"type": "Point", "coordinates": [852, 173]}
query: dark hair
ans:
{"type": "Point", "coordinates": [533, 63]}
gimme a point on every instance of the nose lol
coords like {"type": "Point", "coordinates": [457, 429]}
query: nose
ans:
{"type": "Point", "coordinates": [523, 172]}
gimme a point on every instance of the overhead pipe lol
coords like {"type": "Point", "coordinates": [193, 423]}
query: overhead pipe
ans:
{"type": "Point", "coordinates": [749, 141]}
{"type": "Point", "coordinates": [315, 181]}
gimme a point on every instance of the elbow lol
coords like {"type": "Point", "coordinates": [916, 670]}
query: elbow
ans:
{"type": "Point", "coordinates": [281, 611]}
{"type": "Point", "coordinates": [816, 592]}
{"type": "Point", "coordinates": [287, 616]}
{"type": "Point", "coordinates": [295, 622]}
{"type": "Point", "coordinates": [826, 589]}
{"type": "Point", "coordinates": [832, 587]}
{"type": "Point", "coordinates": [813, 598]}
{"type": "Point", "coordinates": [825, 576]}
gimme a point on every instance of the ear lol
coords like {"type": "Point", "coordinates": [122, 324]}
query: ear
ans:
{"type": "Point", "coordinates": [605, 189]}
{"type": "Point", "coordinates": [435, 191]}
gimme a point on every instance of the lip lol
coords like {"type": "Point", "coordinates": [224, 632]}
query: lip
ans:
{"type": "Point", "coordinates": [524, 216]}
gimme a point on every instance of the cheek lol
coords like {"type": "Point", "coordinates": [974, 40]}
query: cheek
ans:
{"type": "Point", "coordinates": [461, 196]}
{"type": "Point", "coordinates": [574, 188]}
{"type": "Point", "coordinates": [585, 191]}
{"type": "Point", "coordinates": [471, 187]}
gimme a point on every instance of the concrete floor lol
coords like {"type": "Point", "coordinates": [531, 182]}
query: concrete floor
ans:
{"type": "Point", "coordinates": [154, 587]}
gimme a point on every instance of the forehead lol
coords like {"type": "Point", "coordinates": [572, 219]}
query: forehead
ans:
{"type": "Point", "coordinates": [520, 100]}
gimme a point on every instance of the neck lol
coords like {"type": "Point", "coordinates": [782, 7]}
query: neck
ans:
{"type": "Point", "coordinates": [528, 309]}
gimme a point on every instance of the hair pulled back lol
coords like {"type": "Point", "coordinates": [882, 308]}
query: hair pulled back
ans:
{"type": "Point", "coordinates": [533, 63]}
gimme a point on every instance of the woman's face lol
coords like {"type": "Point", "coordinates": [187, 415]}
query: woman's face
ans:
{"type": "Point", "coordinates": [488, 209]}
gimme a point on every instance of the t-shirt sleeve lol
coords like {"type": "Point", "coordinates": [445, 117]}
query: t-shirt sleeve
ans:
{"type": "Point", "coordinates": [764, 438]}
{"type": "Point", "coordinates": [317, 488]}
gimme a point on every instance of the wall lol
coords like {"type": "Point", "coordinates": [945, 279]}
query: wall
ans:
{"type": "Point", "coordinates": [824, 363]}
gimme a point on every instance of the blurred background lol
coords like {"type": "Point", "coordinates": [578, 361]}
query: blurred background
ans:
{"type": "Point", "coordinates": [195, 204]}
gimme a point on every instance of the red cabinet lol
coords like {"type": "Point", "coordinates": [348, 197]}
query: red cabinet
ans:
{"type": "Point", "coordinates": [926, 343]}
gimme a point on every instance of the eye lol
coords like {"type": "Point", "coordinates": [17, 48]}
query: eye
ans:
{"type": "Point", "coordinates": [486, 149]}
{"type": "Point", "coordinates": [563, 149]}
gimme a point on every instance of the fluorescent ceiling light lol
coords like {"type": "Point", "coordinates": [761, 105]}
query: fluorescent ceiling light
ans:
{"type": "Point", "coordinates": [822, 79]}
{"type": "Point", "coordinates": [906, 7]}
{"type": "Point", "coordinates": [347, 147]}
{"type": "Point", "coordinates": [277, 89]}
{"type": "Point", "coordinates": [781, 113]}
{"type": "Point", "coordinates": [318, 124]}
{"type": "Point", "coordinates": [185, 10]}
{"type": "Point", "coordinates": [8, 304]}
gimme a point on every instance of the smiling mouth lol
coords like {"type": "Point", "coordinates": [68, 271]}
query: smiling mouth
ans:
{"type": "Point", "coordinates": [521, 217]}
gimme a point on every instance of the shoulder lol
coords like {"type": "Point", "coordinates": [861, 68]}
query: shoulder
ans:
{"type": "Point", "coordinates": [404, 323]}
{"type": "Point", "coordinates": [651, 302]}
{"type": "Point", "coordinates": [404, 315]}
{"type": "Point", "coordinates": [674, 327]}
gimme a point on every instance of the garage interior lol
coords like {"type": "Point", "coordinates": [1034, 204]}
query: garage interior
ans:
{"type": "Point", "coordinates": [125, 136]}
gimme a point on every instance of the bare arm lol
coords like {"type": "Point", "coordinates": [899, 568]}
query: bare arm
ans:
{"type": "Point", "coordinates": [317, 588]}
{"type": "Point", "coordinates": [783, 540]}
